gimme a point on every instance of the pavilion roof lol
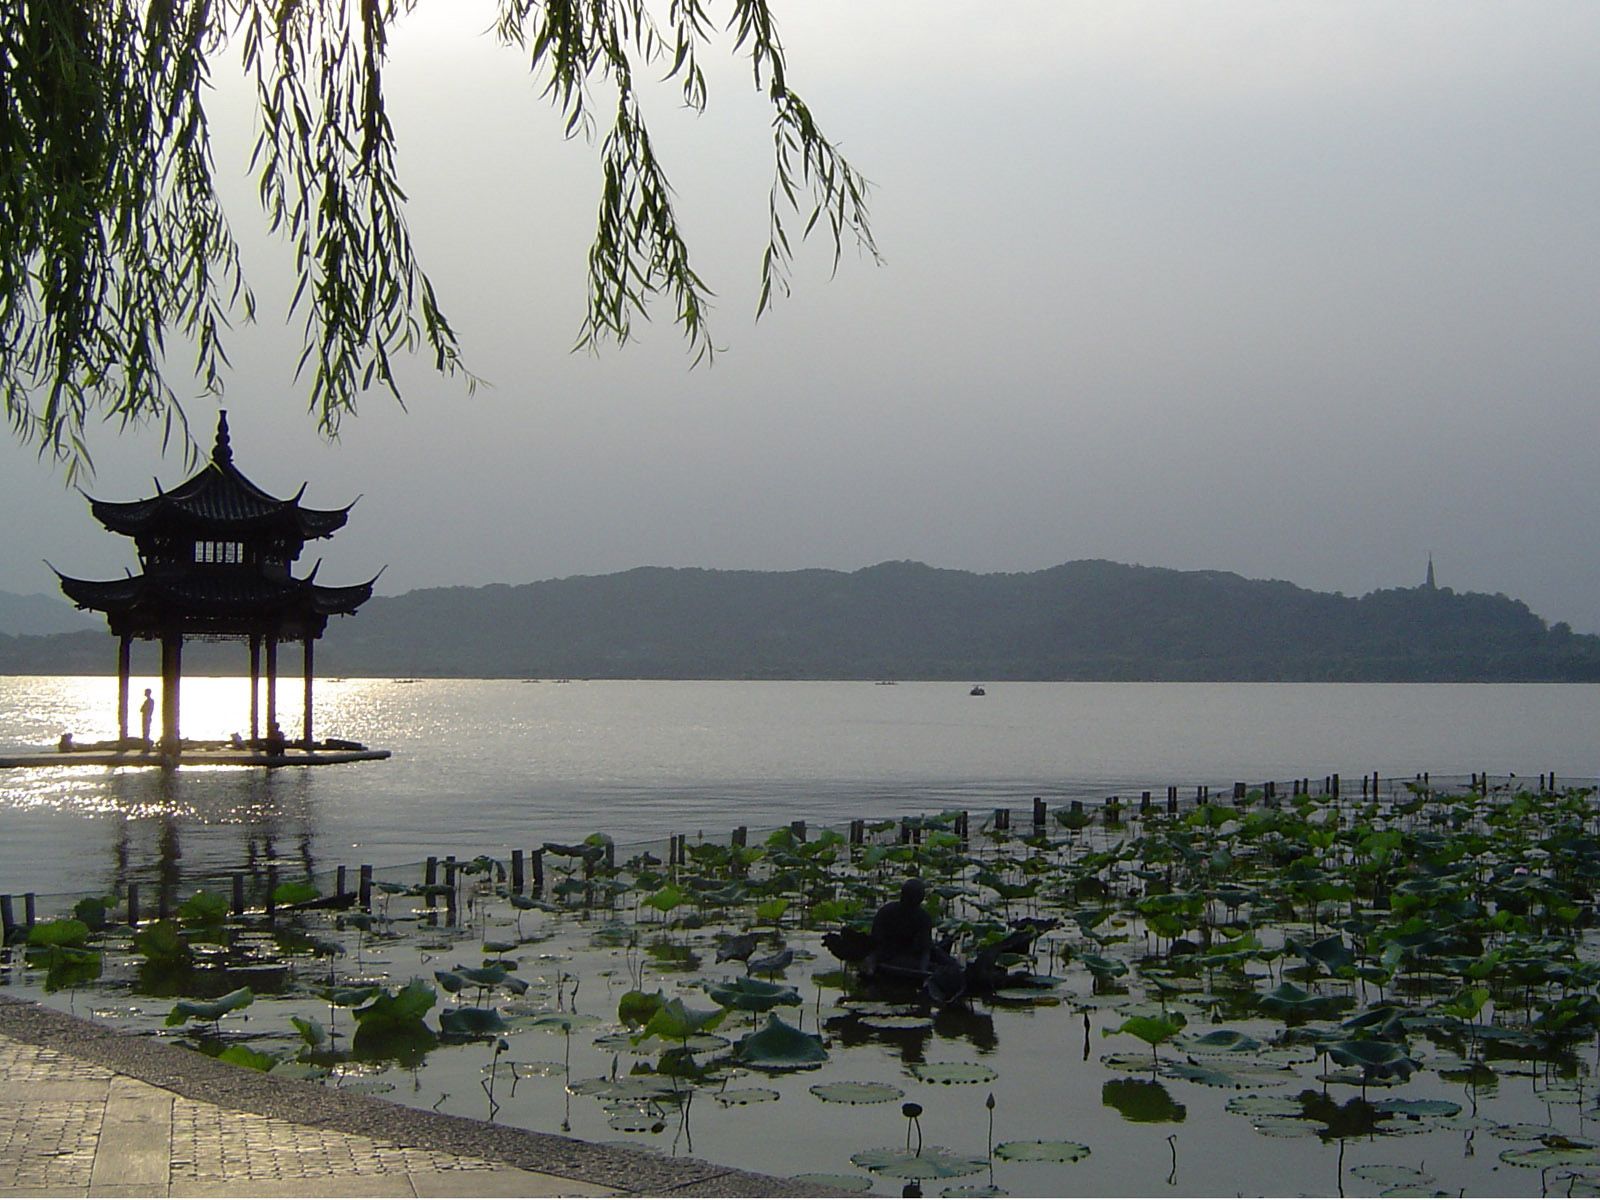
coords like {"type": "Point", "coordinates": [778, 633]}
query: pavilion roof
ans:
{"type": "Point", "coordinates": [225, 601]}
{"type": "Point", "coordinates": [219, 498]}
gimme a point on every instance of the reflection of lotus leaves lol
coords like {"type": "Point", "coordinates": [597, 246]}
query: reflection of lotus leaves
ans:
{"type": "Point", "coordinates": [589, 1087]}
{"type": "Point", "coordinates": [835, 1183]}
{"type": "Point", "coordinates": [1037, 997]}
{"type": "Point", "coordinates": [290, 1069]}
{"type": "Point", "coordinates": [562, 1022]}
{"type": "Point", "coordinates": [740, 1097]}
{"type": "Point", "coordinates": [1041, 1151]}
{"type": "Point", "coordinates": [1141, 1100]}
{"type": "Point", "coordinates": [1206, 1076]}
{"type": "Point", "coordinates": [954, 1073]}
{"type": "Point", "coordinates": [1524, 1133]}
{"type": "Point", "coordinates": [879, 1008]}
{"type": "Point", "coordinates": [935, 1162]}
{"type": "Point", "coordinates": [856, 1093]}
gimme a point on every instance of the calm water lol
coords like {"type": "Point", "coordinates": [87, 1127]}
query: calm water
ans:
{"type": "Point", "coordinates": [485, 765]}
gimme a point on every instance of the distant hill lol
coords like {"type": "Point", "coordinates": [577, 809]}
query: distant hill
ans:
{"type": "Point", "coordinates": [904, 620]}
{"type": "Point", "coordinates": [37, 616]}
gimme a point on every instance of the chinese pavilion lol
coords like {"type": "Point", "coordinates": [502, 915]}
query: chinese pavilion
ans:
{"type": "Point", "coordinates": [215, 556]}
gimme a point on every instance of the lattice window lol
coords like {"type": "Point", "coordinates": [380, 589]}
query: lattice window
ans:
{"type": "Point", "coordinates": [219, 552]}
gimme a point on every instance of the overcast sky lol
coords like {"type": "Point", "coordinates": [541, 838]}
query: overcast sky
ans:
{"type": "Point", "coordinates": [1302, 291]}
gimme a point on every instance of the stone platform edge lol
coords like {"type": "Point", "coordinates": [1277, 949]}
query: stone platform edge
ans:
{"type": "Point", "coordinates": [197, 1077]}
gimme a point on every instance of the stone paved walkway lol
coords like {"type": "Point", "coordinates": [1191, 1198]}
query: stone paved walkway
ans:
{"type": "Point", "coordinates": [87, 1111]}
{"type": "Point", "coordinates": [71, 1128]}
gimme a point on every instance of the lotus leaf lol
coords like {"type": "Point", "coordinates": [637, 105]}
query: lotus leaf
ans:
{"type": "Point", "coordinates": [1418, 1108]}
{"type": "Point", "coordinates": [833, 1183]}
{"type": "Point", "coordinates": [1575, 1154]}
{"type": "Point", "coordinates": [209, 1010]}
{"type": "Point", "coordinates": [780, 1047]}
{"type": "Point", "coordinates": [741, 1097]}
{"type": "Point", "coordinates": [243, 1056]}
{"type": "Point", "coordinates": [68, 931]}
{"type": "Point", "coordinates": [953, 1073]}
{"type": "Point", "coordinates": [204, 909]}
{"type": "Point", "coordinates": [1221, 1041]}
{"type": "Point", "coordinates": [752, 995]}
{"type": "Point", "coordinates": [348, 997]}
{"type": "Point", "coordinates": [397, 1009]}
{"type": "Point", "coordinates": [856, 1093]}
{"type": "Point", "coordinates": [1042, 1151]}
{"type": "Point", "coordinates": [933, 1162]}
{"type": "Point", "coordinates": [1376, 1059]}
{"type": "Point", "coordinates": [1390, 1175]}
{"type": "Point", "coordinates": [635, 1120]}
{"type": "Point", "coordinates": [674, 1020]}
{"type": "Point", "coordinates": [636, 1008]}
{"type": "Point", "coordinates": [471, 1022]}
{"type": "Point", "coordinates": [310, 1029]}
{"type": "Point", "coordinates": [295, 892]}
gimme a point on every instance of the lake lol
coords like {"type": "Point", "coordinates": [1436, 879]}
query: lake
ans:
{"type": "Point", "coordinates": [486, 765]}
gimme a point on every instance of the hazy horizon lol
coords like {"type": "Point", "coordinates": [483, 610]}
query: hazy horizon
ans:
{"type": "Point", "coordinates": [1297, 292]}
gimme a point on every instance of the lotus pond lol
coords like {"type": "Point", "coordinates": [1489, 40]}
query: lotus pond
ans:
{"type": "Point", "coordinates": [1267, 996]}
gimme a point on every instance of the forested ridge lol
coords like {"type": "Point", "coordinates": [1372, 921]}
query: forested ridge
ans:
{"type": "Point", "coordinates": [903, 620]}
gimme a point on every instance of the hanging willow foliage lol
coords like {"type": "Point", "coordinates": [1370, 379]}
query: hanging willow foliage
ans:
{"type": "Point", "coordinates": [113, 240]}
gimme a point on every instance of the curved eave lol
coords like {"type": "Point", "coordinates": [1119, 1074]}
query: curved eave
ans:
{"type": "Point", "coordinates": [218, 499]}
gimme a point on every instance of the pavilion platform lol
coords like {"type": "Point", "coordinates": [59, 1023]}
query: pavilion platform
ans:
{"type": "Point", "coordinates": [195, 754]}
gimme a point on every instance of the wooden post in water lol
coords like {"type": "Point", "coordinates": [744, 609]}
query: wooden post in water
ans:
{"type": "Point", "coordinates": [798, 828]}
{"type": "Point", "coordinates": [962, 828]}
{"type": "Point", "coordinates": [741, 837]}
{"type": "Point", "coordinates": [238, 893]}
{"type": "Point", "coordinates": [30, 914]}
{"type": "Point", "coordinates": [338, 882]}
{"type": "Point", "coordinates": [272, 894]}
{"type": "Point", "coordinates": [1002, 818]}
{"type": "Point", "coordinates": [1040, 812]}
{"type": "Point", "coordinates": [163, 902]}
{"type": "Point", "coordinates": [905, 831]}
{"type": "Point", "coordinates": [516, 873]}
{"type": "Point", "coordinates": [7, 918]}
{"type": "Point", "coordinates": [1335, 792]}
{"type": "Point", "coordinates": [364, 899]}
{"type": "Point", "coordinates": [430, 874]}
{"type": "Point", "coordinates": [536, 867]}
{"type": "Point", "coordinates": [133, 905]}
{"type": "Point", "coordinates": [858, 832]}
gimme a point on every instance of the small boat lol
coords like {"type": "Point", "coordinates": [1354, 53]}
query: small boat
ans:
{"type": "Point", "coordinates": [977, 690]}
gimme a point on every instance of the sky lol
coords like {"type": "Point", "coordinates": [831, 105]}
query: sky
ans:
{"type": "Point", "coordinates": [1303, 291]}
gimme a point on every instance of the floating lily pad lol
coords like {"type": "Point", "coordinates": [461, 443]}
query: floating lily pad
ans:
{"type": "Point", "coordinates": [1390, 1175]}
{"type": "Point", "coordinates": [933, 1162]}
{"type": "Point", "coordinates": [1220, 1041]}
{"type": "Point", "coordinates": [533, 1070]}
{"type": "Point", "coordinates": [366, 1087]}
{"type": "Point", "coordinates": [1042, 1151]}
{"type": "Point", "coordinates": [1418, 1108]}
{"type": "Point", "coordinates": [834, 1183]}
{"type": "Point", "coordinates": [856, 1093]}
{"type": "Point", "coordinates": [1577, 1154]}
{"type": "Point", "coordinates": [954, 1073]}
{"type": "Point", "coordinates": [1265, 1106]}
{"type": "Point", "coordinates": [743, 1097]}
{"type": "Point", "coordinates": [635, 1120]}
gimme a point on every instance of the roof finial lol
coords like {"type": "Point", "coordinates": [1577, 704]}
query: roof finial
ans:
{"type": "Point", "coordinates": [222, 452]}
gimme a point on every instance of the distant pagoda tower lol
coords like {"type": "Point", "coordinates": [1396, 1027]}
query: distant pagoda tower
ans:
{"type": "Point", "coordinates": [1430, 584]}
{"type": "Point", "coordinates": [215, 554]}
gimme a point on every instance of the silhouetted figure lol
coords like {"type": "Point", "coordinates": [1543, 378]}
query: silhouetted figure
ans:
{"type": "Point", "coordinates": [902, 934]}
{"type": "Point", "coordinates": [65, 745]}
{"type": "Point", "coordinates": [276, 742]}
{"type": "Point", "coordinates": [147, 712]}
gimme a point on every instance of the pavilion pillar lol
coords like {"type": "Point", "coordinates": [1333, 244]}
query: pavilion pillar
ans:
{"type": "Point", "coordinates": [310, 642]}
{"type": "Point", "coordinates": [272, 682]}
{"type": "Point", "coordinates": [255, 687]}
{"type": "Point", "coordinates": [124, 660]}
{"type": "Point", "coordinates": [171, 674]}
